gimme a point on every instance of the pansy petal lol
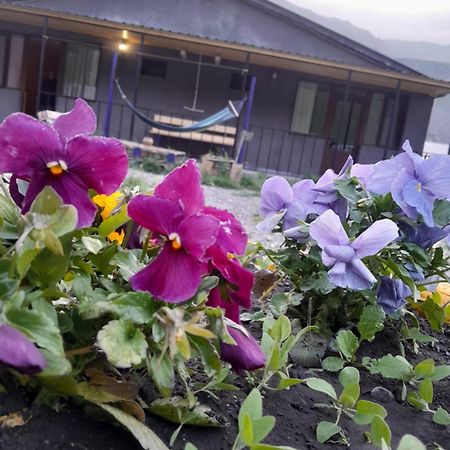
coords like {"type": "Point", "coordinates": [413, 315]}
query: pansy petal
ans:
{"type": "Point", "coordinates": [231, 236]}
{"type": "Point", "coordinates": [294, 213]}
{"type": "Point", "coordinates": [198, 233]}
{"type": "Point", "coordinates": [26, 144]}
{"type": "Point", "coordinates": [159, 215]}
{"type": "Point", "coordinates": [101, 163]}
{"type": "Point", "coordinates": [231, 308]}
{"type": "Point", "coordinates": [79, 120]}
{"type": "Point", "coordinates": [276, 195]}
{"type": "Point", "coordinates": [342, 253]}
{"type": "Point", "coordinates": [17, 351]}
{"type": "Point", "coordinates": [16, 195]}
{"type": "Point", "coordinates": [434, 174]}
{"type": "Point", "coordinates": [183, 185]}
{"type": "Point", "coordinates": [304, 194]}
{"type": "Point", "coordinates": [421, 200]}
{"type": "Point", "coordinates": [375, 238]}
{"type": "Point", "coordinates": [327, 230]}
{"type": "Point", "coordinates": [270, 222]}
{"type": "Point", "coordinates": [174, 276]}
{"type": "Point", "coordinates": [397, 191]}
{"type": "Point", "coordinates": [363, 172]}
{"type": "Point", "coordinates": [353, 275]}
{"type": "Point", "coordinates": [245, 355]}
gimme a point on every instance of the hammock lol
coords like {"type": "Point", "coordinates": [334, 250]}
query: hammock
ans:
{"type": "Point", "coordinates": [231, 111]}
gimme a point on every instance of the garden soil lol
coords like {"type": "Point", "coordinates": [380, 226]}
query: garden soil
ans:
{"type": "Point", "coordinates": [66, 427]}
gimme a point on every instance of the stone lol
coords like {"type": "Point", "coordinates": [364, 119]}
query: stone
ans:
{"type": "Point", "coordinates": [381, 394]}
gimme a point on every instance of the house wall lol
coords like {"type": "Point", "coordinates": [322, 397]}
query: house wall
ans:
{"type": "Point", "coordinates": [10, 101]}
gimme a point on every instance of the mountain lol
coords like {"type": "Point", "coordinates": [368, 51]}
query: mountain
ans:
{"type": "Point", "coordinates": [428, 58]}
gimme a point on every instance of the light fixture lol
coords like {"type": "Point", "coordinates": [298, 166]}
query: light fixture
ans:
{"type": "Point", "coordinates": [183, 53]}
{"type": "Point", "coordinates": [124, 35]}
{"type": "Point", "coordinates": [217, 60]}
{"type": "Point", "coordinates": [123, 46]}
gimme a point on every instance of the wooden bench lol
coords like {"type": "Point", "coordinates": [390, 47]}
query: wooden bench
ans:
{"type": "Point", "coordinates": [218, 134]}
{"type": "Point", "coordinates": [148, 148]}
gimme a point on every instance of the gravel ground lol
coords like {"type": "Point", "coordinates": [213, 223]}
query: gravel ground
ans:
{"type": "Point", "coordinates": [242, 203]}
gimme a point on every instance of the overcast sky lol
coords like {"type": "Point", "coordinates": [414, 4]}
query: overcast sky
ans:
{"type": "Point", "coordinates": [414, 20]}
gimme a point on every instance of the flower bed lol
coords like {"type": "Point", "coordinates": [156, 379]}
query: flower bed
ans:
{"type": "Point", "coordinates": [138, 307]}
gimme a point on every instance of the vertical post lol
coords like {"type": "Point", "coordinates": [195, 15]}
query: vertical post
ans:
{"type": "Point", "coordinates": [393, 119]}
{"type": "Point", "coordinates": [346, 94]}
{"type": "Point", "coordinates": [136, 84]}
{"type": "Point", "coordinates": [112, 75]}
{"type": "Point", "coordinates": [41, 61]}
{"type": "Point", "coordinates": [246, 123]}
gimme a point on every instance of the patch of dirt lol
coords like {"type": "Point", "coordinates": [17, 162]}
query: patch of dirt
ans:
{"type": "Point", "coordinates": [294, 410]}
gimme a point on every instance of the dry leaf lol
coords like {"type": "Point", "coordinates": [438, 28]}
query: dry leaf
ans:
{"type": "Point", "coordinates": [12, 420]}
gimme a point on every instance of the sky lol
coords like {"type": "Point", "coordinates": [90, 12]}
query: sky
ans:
{"type": "Point", "coordinates": [412, 20]}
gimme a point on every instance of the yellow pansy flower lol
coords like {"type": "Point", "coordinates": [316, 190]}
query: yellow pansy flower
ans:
{"type": "Point", "coordinates": [108, 203]}
{"type": "Point", "coordinates": [115, 236]}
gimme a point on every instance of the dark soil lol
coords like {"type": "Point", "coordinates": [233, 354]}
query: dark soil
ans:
{"type": "Point", "coordinates": [74, 427]}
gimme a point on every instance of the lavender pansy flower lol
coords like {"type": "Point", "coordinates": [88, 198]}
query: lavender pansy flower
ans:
{"type": "Point", "coordinates": [17, 351]}
{"type": "Point", "coordinates": [278, 203]}
{"type": "Point", "coordinates": [63, 156]}
{"type": "Point", "coordinates": [344, 256]}
{"type": "Point", "coordinates": [414, 183]}
{"type": "Point", "coordinates": [391, 294]}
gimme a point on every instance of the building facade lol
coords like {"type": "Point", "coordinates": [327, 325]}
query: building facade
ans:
{"type": "Point", "coordinates": [318, 96]}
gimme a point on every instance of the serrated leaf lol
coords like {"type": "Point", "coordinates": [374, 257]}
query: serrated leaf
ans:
{"type": "Point", "coordinates": [325, 430]}
{"type": "Point", "coordinates": [320, 385]}
{"type": "Point", "coordinates": [441, 417]}
{"type": "Point", "coordinates": [395, 367]}
{"type": "Point", "coordinates": [123, 344]}
{"type": "Point", "coordinates": [347, 344]}
{"type": "Point", "coordinates": [145, 436]}
{"type": "Point", "coordinates": [434, 313]}
{"type": "Point", "coordinates": [91, 244]}
{"type": "Point", "coordinates": [379, 431]}
{"type": "Point", "coordinates": [333, 363]}
{"type": "Point", "coordinates": [370, 322]}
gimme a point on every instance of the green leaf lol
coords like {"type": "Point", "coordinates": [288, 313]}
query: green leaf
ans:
{"type": "Point", "coordinates": [347, 344]}
{"type": "Point", "coordinates": [426, 390]}
{"type": "Point", "coordinates": [246, 429]}
{"type": "Point", "coordinates": [208, 355]}
{"type": "Point", "coordinates": [409, 442]}
{"type": "Point", "coordinates": [434, 313]}
{"type": "Point", "coordinates": [333, 363]}
{"type": "Point", "coordinates": [252, 406]}
{"type": "Point", "coordinates": [270, 447]}
{"type": "Point", "coordinates": [124, 345]}
{"type": "Point", "coordinates": [325, 430]}
{"type": "Point", "coordinates": [349, 375]}
{"type": "Point", "coordinates": [113, 222]}
{"type": "Point", "coordinates": [321, 386]}
{"type": "Point", "coordinates": [52, 242]}
{"type": "Point", "coordinates": [440, 372]}
{"type": "Point", "coordinates": [24, 260]}
{"type": "Point", "coordinates": [190, 446]}
{"type": "Point", "coordinates": [441, 212]}
{"type": "Point", "coordinates": [347, 188]}
{"type": "Point", "coordinates": [350, 395]}
{"type": "Point", "coordinates": [286, 383]}
{"type": "Point", "coordinates": [424, 368]}
{"type": "Point", "coordinates": [162, 372]}
{"type": "Point", "coordinates": [379, 431]}
{"type": "Point", "coordinates": [370, 322]}
{"type": "Point", "coordinates": [415, 334]}
{"type": "Point", "coordinates": [137, 307]}
{"type": "Point", "coordinates": [441, 417]}
{"type": "Point", "coordinates": [275, 359]}
{"type": "Point", "coordinates": [416, 401]}
{"type": "Point", "coordinates": [128, 264]}
{"type": "Point", "coordinates": [262, 427]}
{"type": "Point", "coordinates": [371, 408]}
{"type": "Point", "coordinates": [91, 244]}
{"type": "Point", "coordinates": [145, 436]}
{"type": "Point", "coordinates": [47, 202]}
{"type": "Point", "coordinates": [395, 367]}
{"type": "Point", "coordinates": [179, 410]}
{"type": "Point", "coordinates": [281, 329]}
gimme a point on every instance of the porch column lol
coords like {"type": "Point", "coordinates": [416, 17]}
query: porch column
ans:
{"type": "Point", "coordinates": [112, 76]}
{"type": "Point", "coordinates": [136, 84]}
{"type": "Point", "coordinates": [341, 119]}
{"type": "Point", "coordinates": [41, 61]}
{"type": "Point", "coordinates": [246, 126]}
{"type": "Point", "coordinates": [393, 119]}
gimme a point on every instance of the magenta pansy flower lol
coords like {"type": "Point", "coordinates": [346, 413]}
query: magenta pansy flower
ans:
{"type": "Point", "coordinates": [246, 354]}
{"type": "Point", "coordinates": [344, 256]}
{"type": "Point", "coordinates": [17, 351]}
{"type": "Point", "coordinates": [175, 274]}
{"type": "Point", "coordinates": [63, 156]}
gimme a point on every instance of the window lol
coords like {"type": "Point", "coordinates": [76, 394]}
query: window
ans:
{"type": "Point", "coordinates": [374, 119]}
{"type": "Point", "coordinates": [80, 71]}
{"type": "Point", "coordinates": [15, 61]}
{"type": "Point", "coordinates": [2, 59]}
{"type": "Point", "coordinates": [154, 68]}
{"type": "Point", "coordinates": [310, 109]}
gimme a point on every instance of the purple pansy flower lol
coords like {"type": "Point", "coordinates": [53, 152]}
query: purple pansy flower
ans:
{"type": "Point", "coordinates": [344, 255]}
{"type": "Point", "coordinates": [413, 182]}
{"type": "Point", "coordinates": [175, 274]}
{"type": "Point", "coordinates": [17, 351]}
{"type": "Point", "coordinates": [423, 236]}
{"type": "Point", "coordinates": [391, 294]}
{"type": "Point", "coordinates": [246, 354]}
{"type": "Point", "coordinates": [363, 172]}
{"type": "Point", "coordinates": [63, 156]}
{"type": "Point", "coordinates": [278, 203]}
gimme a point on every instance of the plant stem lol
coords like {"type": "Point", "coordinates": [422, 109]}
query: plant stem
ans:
{"type": "Point", "coordinates": [145, 246]}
